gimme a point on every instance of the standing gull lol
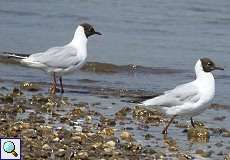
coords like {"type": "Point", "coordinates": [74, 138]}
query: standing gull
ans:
{"type": "Point", "coordinates": [58, 61]}
{"type": "Point", "coordinates": [188, 99]}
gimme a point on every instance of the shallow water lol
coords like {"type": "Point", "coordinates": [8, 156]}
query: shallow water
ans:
{"type": "Point", "coordinates": [163, 38]}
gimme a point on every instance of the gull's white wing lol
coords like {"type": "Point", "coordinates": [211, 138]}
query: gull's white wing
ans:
{"type": "Point", "coordinates": [57, 57]}
{"type": "Point", "coordinates": [186, 93]}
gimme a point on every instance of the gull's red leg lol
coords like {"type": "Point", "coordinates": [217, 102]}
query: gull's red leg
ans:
{"type": "Point", "coordinates": [54, 85]}
{"type": "Point", "coordinates": [165, 130]}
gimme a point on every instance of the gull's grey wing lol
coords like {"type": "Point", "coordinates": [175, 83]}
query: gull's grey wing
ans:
{"type": "Point", "coordinates": [57, 57]}
{"type": "Point", "coordinates": [186, 93]}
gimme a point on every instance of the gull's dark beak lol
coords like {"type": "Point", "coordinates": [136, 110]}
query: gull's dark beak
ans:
{"type": "Point", "coordinates": [218, 68]}
{"type": "Point", "coordinates": [98, 33]}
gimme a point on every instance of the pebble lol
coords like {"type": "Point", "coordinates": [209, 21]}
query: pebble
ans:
{"type": "Point", "coordinates": [109, 144]}
{"type": "Point", "coordinates": [78, 128]}
{"type": "Point", "coordinates": [126, 136]}
{"type": "Point", "coordinates": [60, 152]}
{"type": "Point", "coordinates": [82, 155]}
{"type": "Point", "coordinates": [46, 147]}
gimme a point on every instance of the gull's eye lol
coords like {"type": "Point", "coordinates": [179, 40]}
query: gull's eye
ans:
{"type": "Point", "coordinates": [91, 29]}
{"type": "Point", "coordinates": [209, 64]}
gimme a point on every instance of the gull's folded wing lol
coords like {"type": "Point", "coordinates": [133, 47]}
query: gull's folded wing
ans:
{"type": "Point", "coordinates": [186, 93]}
{"type": "Point", "coordinates": [57, 57]}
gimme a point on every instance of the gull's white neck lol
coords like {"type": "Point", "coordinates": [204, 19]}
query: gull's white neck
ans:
{"type": "Point", "coordinates": [79, 40]}
{"type": "Point", "coordinates": [205, 81]}
{"type": "Point", "coordinates": [206, 84]}
{"type": "Point", "coordinates": [200, 73]}
{"type": "Point", "coordinates": [80, 43]}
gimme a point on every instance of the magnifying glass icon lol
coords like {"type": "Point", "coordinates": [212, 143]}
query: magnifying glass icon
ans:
{"type": "Point", "coordinates": [9, 147]}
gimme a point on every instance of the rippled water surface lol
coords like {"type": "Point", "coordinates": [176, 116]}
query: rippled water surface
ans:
{"type": "Point", "coordinates": [163, 38]}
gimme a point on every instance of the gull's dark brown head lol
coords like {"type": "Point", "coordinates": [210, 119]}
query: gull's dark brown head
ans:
{"type": "Point", "coordinates": [89, 30]}
{"type": "Point", "coordinates": [208, 65]}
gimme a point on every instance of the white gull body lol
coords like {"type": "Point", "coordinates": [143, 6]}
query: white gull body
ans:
{"type": "Point", "coordinates": [61, 60]}
{"type": "Point", "coordinates": [189, 99]}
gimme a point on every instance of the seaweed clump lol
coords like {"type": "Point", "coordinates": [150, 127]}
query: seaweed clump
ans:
{"type": "Point", "coordinates": [199, 133]}
{"type": "Point", "coordinates": [148, 116]}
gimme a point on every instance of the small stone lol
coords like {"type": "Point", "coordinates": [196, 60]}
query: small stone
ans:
{"type": "Point", "coordinates": [109, 144]}
{"type": "Point", "coordinates": [60, 152]}
{"type": "Point", "coordinates": [56, 139]}
{"type": "Point", "coordinates": [107, 131]}
{"type": "Point", "coordinates": [78, 112]}
{"type": "Point", "coordinates": [30, 133]}
{"type": "Point", "coordinates": [184, 156]}
{"type": "Point", "coordinates": [203, 153]}
{"type": "Point", "coordinates": [25, 125]}
{"type": "Point", "coordinates": [108, 122]}
{"type": "Point", "coordinates": [46, 147]}
{"type": "Point", "coordinates": [126, 136]}
{"type": "Point", "coordinates": [96, 145]}
{"type": "Point", "coordinates": [173, 148]}
{"type": "Point", "coordinates": [3, 120]}
{"type": "Point", "coordinates": [88, 119]}
{"type": "Point", "coordinates": [108, 150]}
{"type": "Point", "coordinates": [43, 154]}
{"type": "Point", "coordinates": [80, 139]}
{"type": "Point", "coordinates": [226, 134]}
{"type": "Point", "coordinates": [227, 157]}
{"type": "Point", "coordinates": [123, 113]}
{"type": "Point", "coordinates": [82, 155]}
{"type": "Point", "coordinates": [78, 128]}
{"type": "Point", "coordinates": [172, 144]}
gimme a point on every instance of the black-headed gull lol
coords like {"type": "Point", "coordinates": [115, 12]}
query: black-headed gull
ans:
{"type": "Point", "coordinates": [58, 61]}
{"type": "Point", "coordinates": [188, 99]}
